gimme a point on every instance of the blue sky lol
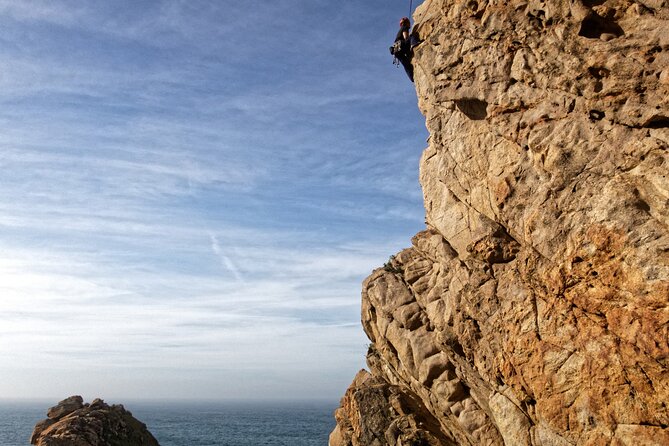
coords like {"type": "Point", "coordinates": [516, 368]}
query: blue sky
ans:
{"type": "Point", "coordinates": [193, 191]}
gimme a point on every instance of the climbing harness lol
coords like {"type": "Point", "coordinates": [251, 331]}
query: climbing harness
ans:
{"type": "Point", "coordinates": [396, 50]}
{"type": "Point", "coordinates": [396, 61]}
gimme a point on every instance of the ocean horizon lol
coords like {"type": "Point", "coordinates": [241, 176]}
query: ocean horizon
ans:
{"type": "Point", "coordinates": [198, 423]}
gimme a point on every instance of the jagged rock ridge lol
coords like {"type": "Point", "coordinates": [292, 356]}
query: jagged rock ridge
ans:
{"type": "Point", "coordinates": [534, 308]}
{"type": "Point", "coordinates": [73, 423]}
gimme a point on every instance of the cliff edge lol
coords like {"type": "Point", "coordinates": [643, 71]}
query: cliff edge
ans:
{"type": "Point", "coordinates": [534, 308]}
{"type": "Point", "coordinates": [73, 423]}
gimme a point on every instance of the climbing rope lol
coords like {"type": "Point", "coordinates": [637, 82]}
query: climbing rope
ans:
{"type": "Point", "coordinates": [410, 7]}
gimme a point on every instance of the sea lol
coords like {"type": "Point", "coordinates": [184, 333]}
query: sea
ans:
{"type": "Point", "coordinates": [200, 423]}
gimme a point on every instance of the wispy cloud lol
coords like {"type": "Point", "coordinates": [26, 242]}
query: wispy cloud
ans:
{"type": "Point", "coordinates": [96, 315]}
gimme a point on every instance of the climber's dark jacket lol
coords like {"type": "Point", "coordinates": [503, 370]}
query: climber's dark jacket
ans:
{"type": "Point", "coordinates": [404, 56]}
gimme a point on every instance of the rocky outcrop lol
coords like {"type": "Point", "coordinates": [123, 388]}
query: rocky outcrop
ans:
{"type": "Point", "coordinates": [534, 308]}
{"type": "Point", "coordinates": [390, 415]}
{"type": "Point", "coordinates": [73, 423]}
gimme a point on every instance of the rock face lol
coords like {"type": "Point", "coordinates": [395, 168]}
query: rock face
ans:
{"type": "Point", "coordinates": [73, 423]}
{"type": "Point", "coordinates": [389, 415]}
{"type": "Point", "coordinates": [534, 308]}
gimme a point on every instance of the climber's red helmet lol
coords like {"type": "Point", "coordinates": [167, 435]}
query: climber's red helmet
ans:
{"type": "Point", "coordinates": [405, 21]}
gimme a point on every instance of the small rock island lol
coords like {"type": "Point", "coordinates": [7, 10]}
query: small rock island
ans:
{"type": "Point", "coordinates": [73, 423]}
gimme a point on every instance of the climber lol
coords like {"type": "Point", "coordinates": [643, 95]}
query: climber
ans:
{"type": "Point", "coordinates": [403, 47]}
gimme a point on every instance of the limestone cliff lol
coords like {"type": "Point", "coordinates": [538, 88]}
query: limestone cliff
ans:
{"type": "Point", "coordinates": [534, 308]}
{"type": "Point", "coordinates": [73, 423]}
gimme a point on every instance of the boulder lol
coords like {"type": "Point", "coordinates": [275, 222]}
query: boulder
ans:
{"type": "Point", "coordinates": [65, 407]}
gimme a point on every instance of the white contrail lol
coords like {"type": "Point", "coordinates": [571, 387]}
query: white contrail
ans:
{"type": "Point", "coordinates": [225, 260]}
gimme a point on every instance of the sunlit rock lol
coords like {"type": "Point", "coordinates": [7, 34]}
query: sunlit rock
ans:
{"type": "Point", "coordinates": [534, 308]}
{"type": "Point", "coordinates": [73, 423]}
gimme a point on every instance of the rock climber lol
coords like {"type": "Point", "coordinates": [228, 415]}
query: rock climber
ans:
{"type": "Point", "coordinates": [406, 46]}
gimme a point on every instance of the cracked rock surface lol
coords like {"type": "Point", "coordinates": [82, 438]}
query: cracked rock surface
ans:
{"type": "Point", "coordinates": [534, 308]}
{"type": "Point", "coordinates": [73, 423]}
